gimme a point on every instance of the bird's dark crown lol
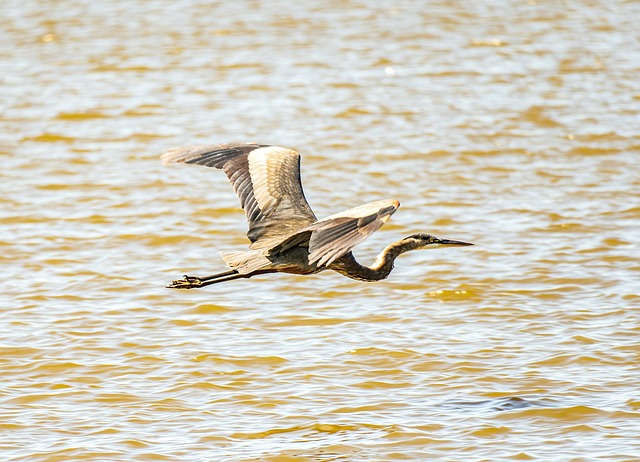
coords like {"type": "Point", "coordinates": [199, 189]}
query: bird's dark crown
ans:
{"type": "Point", "coordinates": [423, 240]}
{"type": "Point", "coordinates": [423, 237]}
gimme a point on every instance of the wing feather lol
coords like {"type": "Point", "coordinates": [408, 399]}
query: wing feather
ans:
{"type": "Point", "coordinates": [336, 235]}
{"type": "Point", "coordinates": [267, 181]}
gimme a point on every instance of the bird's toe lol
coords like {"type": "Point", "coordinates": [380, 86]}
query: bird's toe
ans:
{"type": "Point", "coordinates": [188, 282]}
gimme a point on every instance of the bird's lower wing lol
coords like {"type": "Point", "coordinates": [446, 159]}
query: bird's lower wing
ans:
{"type": "Point", "coordinates": [336, 235]}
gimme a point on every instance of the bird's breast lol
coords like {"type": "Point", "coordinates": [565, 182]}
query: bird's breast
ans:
{"type": "Point", "coordinates": [294, 261]}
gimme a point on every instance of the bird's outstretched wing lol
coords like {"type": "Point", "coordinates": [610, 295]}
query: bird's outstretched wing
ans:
{"type": "Point", "coordinates": [267, 181]}
{"type": "Point", "coordinates": [334, 236]}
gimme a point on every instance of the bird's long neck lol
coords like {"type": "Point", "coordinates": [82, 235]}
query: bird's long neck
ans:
{"type": "Point", "coordinates": [380, 269]}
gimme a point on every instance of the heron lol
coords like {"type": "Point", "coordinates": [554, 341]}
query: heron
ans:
{"type": "Point", "coordinates": [285, 235]}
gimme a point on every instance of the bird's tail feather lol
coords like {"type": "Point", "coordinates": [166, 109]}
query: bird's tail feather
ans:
{"type": "Point", "coordinates": [245, 262]}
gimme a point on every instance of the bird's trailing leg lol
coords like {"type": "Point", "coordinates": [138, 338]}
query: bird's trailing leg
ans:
{"type": "Point", "coordinates": [194, 282]}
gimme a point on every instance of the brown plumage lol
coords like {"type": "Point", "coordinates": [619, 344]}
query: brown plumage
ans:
{"type": "Point", "coordinates": [285, 234]}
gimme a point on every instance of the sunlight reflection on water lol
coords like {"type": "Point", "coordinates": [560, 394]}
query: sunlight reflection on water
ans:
{"type": "Point", "coordinates": [506, 127]}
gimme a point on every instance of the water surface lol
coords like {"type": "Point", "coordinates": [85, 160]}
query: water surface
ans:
{"type": "Point", "coordinates": [510, 125]}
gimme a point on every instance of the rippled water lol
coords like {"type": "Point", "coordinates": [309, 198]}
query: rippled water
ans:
{"type": "Point", "coordinates": [511, 125]}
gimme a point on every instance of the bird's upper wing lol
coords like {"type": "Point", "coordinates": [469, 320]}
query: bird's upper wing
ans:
{"type": "Point", "coordinates": [267, 181]}
{"type": "Point", "coordinates": [334, 236]}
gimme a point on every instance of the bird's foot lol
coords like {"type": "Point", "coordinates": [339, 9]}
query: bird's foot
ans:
{"type": "Point", "coordinates": [188, 282]}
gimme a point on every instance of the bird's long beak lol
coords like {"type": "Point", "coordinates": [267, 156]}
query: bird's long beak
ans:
{"type": "Point", "coordinates": [451, 242]}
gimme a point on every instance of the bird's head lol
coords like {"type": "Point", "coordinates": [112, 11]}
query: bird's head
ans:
{"type": "Point", "coordinates": [421, 241]}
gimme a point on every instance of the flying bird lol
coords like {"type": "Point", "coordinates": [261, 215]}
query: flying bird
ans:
{"type": "Point", "coordinates": [285, 235]}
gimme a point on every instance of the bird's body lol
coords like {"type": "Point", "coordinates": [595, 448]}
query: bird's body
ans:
{"type": "Point", "coordinates": [285, 235]}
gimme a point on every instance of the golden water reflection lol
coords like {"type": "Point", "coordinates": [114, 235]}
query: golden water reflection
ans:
{"type": "Point", "coordinates": [514, 128]}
